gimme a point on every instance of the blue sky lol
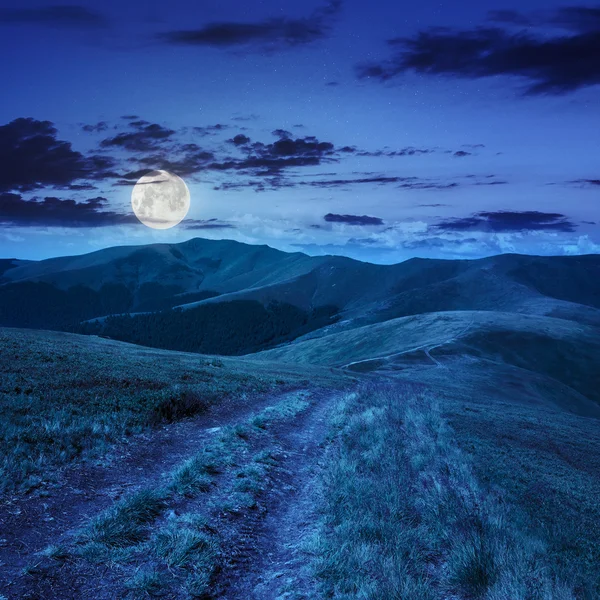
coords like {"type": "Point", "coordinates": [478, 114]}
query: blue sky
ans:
{"type": "Point", "coordinates": [376, 130]}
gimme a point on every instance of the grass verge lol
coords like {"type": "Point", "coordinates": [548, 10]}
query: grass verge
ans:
{"type": "Point", "coordinates": [68, 398]}
{"type": "Point", "coordinates": [405, 518]}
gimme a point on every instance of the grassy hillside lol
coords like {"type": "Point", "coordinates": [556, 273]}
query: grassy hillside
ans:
{"type": "Point", "coordinates": [410, 509]}
{"type": "Point", "coordinates": [67, 398]}
{"type": "Point", "coordinates": [558, 349]}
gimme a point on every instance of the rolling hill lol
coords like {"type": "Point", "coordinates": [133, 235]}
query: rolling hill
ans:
{"type": "Point", "coordinates": [61, 293]}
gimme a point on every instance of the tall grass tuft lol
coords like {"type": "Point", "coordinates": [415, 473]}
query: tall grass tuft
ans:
{"type": "Point", "coordinates": [405, 518]}
{"type": "Point", "coordinates": [124, 523]}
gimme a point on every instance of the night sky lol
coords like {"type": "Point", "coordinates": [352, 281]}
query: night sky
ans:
{"type": "Point", "coordinates": [379, 130]}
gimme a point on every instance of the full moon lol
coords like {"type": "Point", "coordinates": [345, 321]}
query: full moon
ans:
{"type": "Point", "coordinates": [160, 200]}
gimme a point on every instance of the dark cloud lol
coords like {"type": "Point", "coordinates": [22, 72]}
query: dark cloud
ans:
{"type": "Point", "coordinates": [244, 118]}
{"type": "Point", "coordinates": [549, 62]}
{"type": "Point", "coordinates": [428, 185]}
{"type": "Point", "coordinates": [282, 133]}
{"type": "Point", "coordinates": [362, 241]}
{"type": "Point", "coordinates": [196, 224]}
{"type": "Point", "coordinates": [505, 221]}
{"type": "Point", "coordinates": [271, 159]}
{"type": "Point", "coordinates": [495, 182]}
{"type": "Point", "coordinates": [407, 183]}
{"type": "Point", "coordinates": [32, 157]}
{"type": "Point", "coordinates": [377, 180]}
{"type": "Point", "coordinates": [54, 212]}
{"type": "Point", "coordinates": [240, 140]}
{"type": "Point", "coordinates": [274, 34]}
{"type": "Point", "coordinates": [145, 137]}
{"type": "Point", "coordinates": [586, 182]}
{"type": "Point", "coordinates": [353, 219]}
{"type": "Point", "coordinates": [183, 160]}
{"type": "Point", "coordinates": [410, 151]}
{"type": "Point", "coordinates": [571, 18]}
{"type": "Point", "coordinates": [462, 153]}
{"type": "Point", "coordinates": [80, 187]}
{"type": "Point", "coordinates": [210, 129]}
{"type": "Point", "coordinates": [55, 16]}
{"type": "Point", "coordinates": [581, 19]}
{"type": "Point", "coordinates": [98, 127]}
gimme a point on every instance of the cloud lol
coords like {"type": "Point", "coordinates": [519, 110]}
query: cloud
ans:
{"type": "Point", "coordinates": [145, 137]}
{"type": "Point", "coordinates": [210, 129]}
{"type": "Point", "coordinates": [32, 157]}
{"type": "Point", "coordinates": [55, 16]}
{"type": "Point", "coordinates": [271, 159]}
{"type": "Point", "coordinates": [353, 219]}
{"type": "Point", "coordinates": [586, 182]}
{"type": "Point", "coordinates": [196, 224]}
{"type": "Point", "coordinates": [244, 118]}
{"type": "Point", "coordinates": [240, 140]}
{"type": "Point", "coordinates": [96, 128]}
{"type": "Point", "coordinates": [54, 212]}
{"type": "Point", "coordinates": [582, 19]}
{"type": "Point", "coordinates": [507, 221]}
{"type": "Point", "coordinates": [571, 18]}
{"type": "Point", "coordinates": [549, 62]}
{"type": "Point", "coordinates": [409, 151]}
{"type": "Point", "coordinates": [404, 183]}
{"type": "Point", "coordinates": [275, 34]}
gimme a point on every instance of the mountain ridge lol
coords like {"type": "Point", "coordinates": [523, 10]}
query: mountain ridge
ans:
{"type": "Point", "coordinates": [66, 291]}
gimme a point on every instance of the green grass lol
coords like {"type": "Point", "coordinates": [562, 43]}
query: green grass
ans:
{"type": "Point", "coordinates": [405, 517]}
{"type": "Point", "coordinates": [159, 551]}
{"type": "Point", "coordinates": [124, 524]}
{"type": "Point", "coordinates": [68, 398]}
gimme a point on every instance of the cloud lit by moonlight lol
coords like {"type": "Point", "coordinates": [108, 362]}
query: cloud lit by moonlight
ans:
{"type": "Point", "coordinates": [160, 200]}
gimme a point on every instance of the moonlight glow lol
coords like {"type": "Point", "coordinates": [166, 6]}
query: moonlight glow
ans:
{"type": "Point", "coordinates": [160, 200]}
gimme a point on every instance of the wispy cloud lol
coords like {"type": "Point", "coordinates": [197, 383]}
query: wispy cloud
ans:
{"type": "Point", "coordinates": [561, 58]}
{"type": "Point", "coordinates": [54, 212]}
{"type": "Point", "coordinates": [506, 220]}
{"type": "Point", "coordinates": [352, 219]}
{"type": "Point", "coordinates": [275, 33]}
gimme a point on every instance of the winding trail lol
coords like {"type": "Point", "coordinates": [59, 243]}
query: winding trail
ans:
{"type": "Point", "coordinates": [427, 348]}
{"type": "Point", "coordinates": [277, 566]}
{"type": "Point", "coordinates": [29, 524]}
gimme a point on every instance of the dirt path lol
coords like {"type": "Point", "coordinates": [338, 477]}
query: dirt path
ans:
{"type": "Point", "coordinates": [427, 348]}
{"type": "Point", "coordinates": [30, 524]}
{"type": "Point", "coordinates": [276, 564]}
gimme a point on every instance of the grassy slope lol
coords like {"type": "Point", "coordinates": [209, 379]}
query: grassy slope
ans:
{"type": "Point", "coordinates": [67, 397]}
{"type": "Point", "coordinates": [406, 515]}
{"type": "Point", "coordinates": [557, 348]}
{"type": "Point", "coordinates": [539, 457]}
